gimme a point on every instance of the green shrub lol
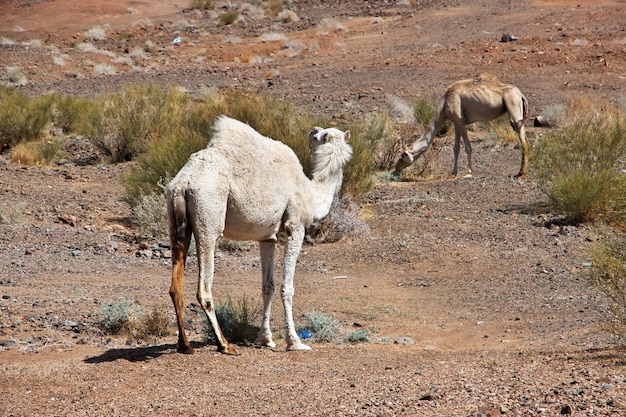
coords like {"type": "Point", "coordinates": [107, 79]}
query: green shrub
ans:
{"type": "Point", "coordinates": [579, 165]}
{"type": "Point", "coordinates": [358, 336]}
{"type": "Point", "coordinates": [237, 318]}
{"type": "Point", "coordinates": [120, 316]}
{"type": "Point", "coordinates": [22, 119]}
{"type": "Point", "coordinates": [608, 274]}
{"type": "Point", "coordinates": [323, 328]}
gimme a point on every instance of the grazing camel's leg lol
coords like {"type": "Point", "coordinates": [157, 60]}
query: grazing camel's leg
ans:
{"type": "Point", "coordinates": [267, 287]}
{"type": "Point", "coordinates": [460, 131]}
{"type": "Point", "coordinates": [206, 252]}
{"type": "Point", "coordinates": [468, 150]}
{"type": "Point", "coordinates": [292, 250]}
{"type": "Point", "coordinates": [515, 107]}
{"type": "Point", "coordinates": [179, 256]}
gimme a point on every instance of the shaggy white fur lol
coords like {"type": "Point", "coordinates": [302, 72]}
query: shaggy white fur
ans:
{"type": "Point", "coordinates": [245, 186]}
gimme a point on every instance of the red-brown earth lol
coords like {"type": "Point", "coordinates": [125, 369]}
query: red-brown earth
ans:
{"type": "Point", "coordinates": [476, 271]}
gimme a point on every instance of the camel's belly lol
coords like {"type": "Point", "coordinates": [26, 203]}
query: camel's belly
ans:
{"type": "Point", "coordinates": [252, 226]}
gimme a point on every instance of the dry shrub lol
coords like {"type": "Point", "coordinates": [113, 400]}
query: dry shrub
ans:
{"type": "Point", "coordinates": [343, 220]}
{"type": "Point", "coordinates": [579, 165]}
{"type": "Point", "coordinates": [154, 324]}
{"type": "Point", "coordinates": [608, 274]}
{"type": "Point", "coordinates": [35, 153]}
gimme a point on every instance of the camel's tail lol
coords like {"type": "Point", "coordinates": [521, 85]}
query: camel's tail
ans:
{"type": "Point", "coordinates": [177, 216]}
{"type": "Point", "coordinates": [524, 107]}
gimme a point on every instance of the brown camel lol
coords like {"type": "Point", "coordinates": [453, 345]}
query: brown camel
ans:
{"type": "Point", "coordinates": [483, 98]}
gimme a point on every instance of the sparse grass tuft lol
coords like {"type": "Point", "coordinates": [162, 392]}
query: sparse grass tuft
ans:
{"type": "Point", "coordinates": [358, 336]}
{"type": "Point", "coordinates": [120, 316]}
{"type": "Point", "coordinates": [154, 324]}
{"type": "Point", "coordinates": [580, 164]}
{"type": "Point", "coordinates": [237, 318]}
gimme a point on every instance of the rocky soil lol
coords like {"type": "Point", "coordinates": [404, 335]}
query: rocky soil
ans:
{"type": "Point", "coordinates": [477, 272]}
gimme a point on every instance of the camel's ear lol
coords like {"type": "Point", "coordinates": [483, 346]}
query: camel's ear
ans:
{"type": "Point", "coordinates": [346, 136]}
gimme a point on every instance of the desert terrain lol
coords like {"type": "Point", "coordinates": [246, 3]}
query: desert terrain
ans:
{"type": "Point", "coordinates": [478, 272]}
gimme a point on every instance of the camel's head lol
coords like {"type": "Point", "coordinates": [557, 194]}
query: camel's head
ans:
{"type": "Point", "coordinates": [405, 160]}
{"type": "Point", "coordinates": [319, 136]}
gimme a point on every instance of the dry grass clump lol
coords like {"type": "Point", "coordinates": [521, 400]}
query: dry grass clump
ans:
{"type": "Point", "coordinates": [35, 153]}
{"type": "Point", "coordinates": [580, 165]}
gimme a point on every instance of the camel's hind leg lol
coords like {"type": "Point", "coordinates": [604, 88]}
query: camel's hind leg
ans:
{"type": "Point", "coordinates": [267, 249]}
{"type": "Point", "coordinates": [206, 252]}
{"type": "Point", "coordinates": [292, 250]}
{"type": "Point", "coordinates": [515, 105]}
{"type": "Point", "coordinates": [460, 131]}
{"type": "Point", "coordinates": [179, 255]}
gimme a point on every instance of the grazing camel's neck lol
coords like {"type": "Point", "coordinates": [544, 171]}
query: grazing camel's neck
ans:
{"type": "Point", "coordinates": [431, 131]}
{"type": "Point", "coordinates": [330, 159]}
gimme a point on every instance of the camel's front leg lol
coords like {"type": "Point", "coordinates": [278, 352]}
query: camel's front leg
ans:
{"type": "Point", "coordinates": [292, 250]}
{"type": "Point", "coordinates": [267, 287]}
{"type": "Point", "coordinates": [205, 295]}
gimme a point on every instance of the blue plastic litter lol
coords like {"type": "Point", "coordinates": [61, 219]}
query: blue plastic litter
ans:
{"type": "Point", "coordinates": [304, 334]}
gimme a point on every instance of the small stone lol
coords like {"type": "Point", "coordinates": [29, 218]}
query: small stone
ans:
{"type": "Point", "coordinates": [404, 340]}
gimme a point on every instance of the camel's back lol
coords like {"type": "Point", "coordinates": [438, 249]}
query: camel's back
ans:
{"type": "Point", "coordinates": [245, 148]}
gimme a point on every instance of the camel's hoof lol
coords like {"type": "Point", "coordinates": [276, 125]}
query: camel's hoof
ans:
{"type": "Point", "coordinates": [187, 350]}
{"type": "Point", "coordinates": [298, 346]}
{"type": "Point", "coordinates": [265, 343]}
{"type": "Point", "coordinates": [228, 350]}
{"type": "Point", "coordinates": [520, 176]}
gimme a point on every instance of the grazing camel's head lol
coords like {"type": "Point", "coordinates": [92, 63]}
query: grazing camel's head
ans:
{"type": "Point", "coordinates": [405, 160]}
{"type": "Point", "coordinates": [319, 136]}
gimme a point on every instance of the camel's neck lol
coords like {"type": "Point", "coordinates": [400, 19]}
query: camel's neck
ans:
{"type": "Point", "coordinates": [429, 134]}
{"type": "Point", "coordinates": [324, 194]}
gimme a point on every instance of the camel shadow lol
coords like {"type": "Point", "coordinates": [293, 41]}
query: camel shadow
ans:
{"type": "Point", "coordinates": [137, 354]}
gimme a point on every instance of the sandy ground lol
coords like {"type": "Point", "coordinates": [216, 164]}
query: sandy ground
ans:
{"type": "Point", "coordinates": [470, 269]}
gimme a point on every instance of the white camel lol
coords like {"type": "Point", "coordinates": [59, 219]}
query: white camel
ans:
{"type": "Point", "coordinates": [245, 186]}
{"type": "Point", "coordinates": [484, 98]}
